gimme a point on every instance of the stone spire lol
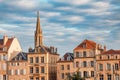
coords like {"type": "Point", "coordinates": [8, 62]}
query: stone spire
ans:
{"type": "Point", "coordinates": [38, 33]}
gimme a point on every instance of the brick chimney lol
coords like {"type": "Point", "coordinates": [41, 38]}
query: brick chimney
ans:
{"type": "Point", "coordinates": [5, 39]}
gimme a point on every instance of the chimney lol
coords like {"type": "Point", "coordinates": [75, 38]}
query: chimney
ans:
{"type": "Point", "coordinates": [104, 47]}
{"type": "Point", "coordinates": [5, 39]}
{"type": "Point", "coordinates": [56, 50]}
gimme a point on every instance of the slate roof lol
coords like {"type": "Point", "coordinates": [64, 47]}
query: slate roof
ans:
{"type": "Point", "coordinates": [20, 57]}
{"type": "Point", "coordinates": [67, 57]}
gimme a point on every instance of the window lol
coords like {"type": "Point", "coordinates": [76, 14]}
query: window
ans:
{"type": "Point", "coordinates": [4, 66]}
{"type": "Point", "coordinates": [77, 64]}
{"type": "Point", "coordinates": [84, 54]}
{"type": "Point", "coordinates": [31, 78]}
{"type": "Point", "coordinates": [92, 73]}
{"type": "Point", "coordinates": [77, 54]}
{"type": "Point", "coordinates": [84, 64]}
{"type": "Point", "coordinates": [62, 75]}
{"type": "Point", "coordinates": [108, 57]}
{"type": "Point", "coordinates": [108, 66]}
{"type": "Point", "coordinates": [23, 71]}
{"type": "Point", "coordinates": [42, 78]}
{"type": "Point", "coordinates": [85, 74]}
{"type": "Point", "coordinates": [84, 45]}
{"type": "Point", "coordinates": [92, 63]}
{"type": "Point", "coordinates": [116, 66]}
{"type": "Point", "coordinates": [11, 72]}
{"type": "Point", "coordinates": [80, 74]}
{"type": "Point", "coordinates": [4, 77]}
{"type": "Point", "coordinates": [17, 72]}
{"type": "Point", "coordinates": [4, 57]}
{"type": "Point", "coordinates": [37, 69]}
{"type": "Point", "coordinates": [116, 57]}
{"type": "Point", "coordinates": [31, 59]}
{"type": "Point", "coordinates": [117, 77]}
{"type": "Point", "coordinates": [101, 77]}
{"type": "Point", "coordinates": [62, 67]}
{"type": "Point", "coordinates": [37, 59]}
{"type": "Point", "coordinates": [68, 67]}
{"type": "Point", "coordinates": [42, 70]}
{"type": "Point", "coordinates": [101, 67]}
{"type": "Point", "coordinates": [37, 78]}
{"type": "Point", "coordinates": [100, 57]}
{"type": "Point", "coordinates": [109, 77]}
{"type": "Point", "coordinates": [42, 59]}
{"type": "Point", "coordinates": [68, 75]}
{"type": "Point", "coordinates": [31, 69]}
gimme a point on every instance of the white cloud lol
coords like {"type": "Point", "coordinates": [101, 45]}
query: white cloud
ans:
{"type": "Point", "coordinates": [16, 17]}
{"type": "Point", "coordinates": [50, 14]}
{"type": "Point", "coordinates": [2, 31]}
{"type": "Point", "coordinates": [64, 8]}
{"type": "Point", "coordinates": [22, 4]}
{"type": "Point", "coordinates": [73, 19]}
{"type": "Point", "coordinates": [101, 5]}
{"type": "Point", "coordinates": [75, 2]}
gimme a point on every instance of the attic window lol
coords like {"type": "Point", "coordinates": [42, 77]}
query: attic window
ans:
{"type": "Point", "coordinates": [68, 58]}
{"type": "Point", "coordinates": [84, 45]}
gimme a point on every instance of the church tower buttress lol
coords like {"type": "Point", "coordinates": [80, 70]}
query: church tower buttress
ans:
{"type": "Point", "coordinates": [38, 33]}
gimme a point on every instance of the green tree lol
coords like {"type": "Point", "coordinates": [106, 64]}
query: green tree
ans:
{"type": "Point", "coordinates": [75, 76]}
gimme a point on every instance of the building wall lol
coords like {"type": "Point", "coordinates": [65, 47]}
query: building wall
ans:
{"type": "Point", "coordinates": [109, 62]}
{"type": "Point", "coordinates": [49, 65]}
{"type": "Point", "coordinates": [14, 49]}
{"type": "Point", "coordinates": [17, 70]}
{"type": "Point", "coordinates": [3, 65]}
{"type": "Point", "coordinates": [63, 70]}
{"type": "Point", "coordinates": [82, 60]}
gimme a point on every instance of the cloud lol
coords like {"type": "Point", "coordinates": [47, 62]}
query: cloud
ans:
{"type": "Point", "coordinates": [22, 4]}
{"type": "Point", "coordinates": [75, 2]}
{"type": "Point", "coordinates": [73, 19]}
{"type": "Point", "coordinates": [50, 14]}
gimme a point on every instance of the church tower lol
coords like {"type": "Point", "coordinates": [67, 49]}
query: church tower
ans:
{"type": "Point", "coordinates": [38, 33]}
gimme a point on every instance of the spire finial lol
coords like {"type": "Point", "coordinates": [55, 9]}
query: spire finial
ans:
{"type": "Point", "coordinates": [38, 13]}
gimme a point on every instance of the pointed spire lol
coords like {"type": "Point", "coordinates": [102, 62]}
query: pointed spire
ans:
{"type": "Point", "coordinates": [38, 32]}
{"type": "Point", "coordinates": [38, 28]}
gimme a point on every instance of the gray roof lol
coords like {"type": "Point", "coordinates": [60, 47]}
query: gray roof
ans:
{"type": "Point", "coordinates": [20, 56]}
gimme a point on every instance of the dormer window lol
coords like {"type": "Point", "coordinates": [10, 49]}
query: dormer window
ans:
{"type": "Point", "coordinates": [68, 58]}
{"type": "Point", "coordinates": [84, 45]}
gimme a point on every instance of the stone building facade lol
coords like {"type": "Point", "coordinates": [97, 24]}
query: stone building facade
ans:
{"type": "Point", "coordinates": [9, 48]}
{"type": "Point", "coordinates": [93, 61]}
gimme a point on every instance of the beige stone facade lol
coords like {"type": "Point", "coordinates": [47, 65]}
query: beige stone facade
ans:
{"type": "Point", "coordinates": [108, 65]}
{"type": "Point", "coordinates": [18, 70]}
{"type": "Point", "coordinates": [93, 62]}
{"type": "Point", "coordinates": [42, 66]}
{"type": "Point", "coordinates": [9, 48]}
{"type": "Point", "coordinates": [65, 67]}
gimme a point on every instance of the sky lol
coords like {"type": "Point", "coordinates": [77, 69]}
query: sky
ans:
{"type": "Point", "coordinates": [65, 23]}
